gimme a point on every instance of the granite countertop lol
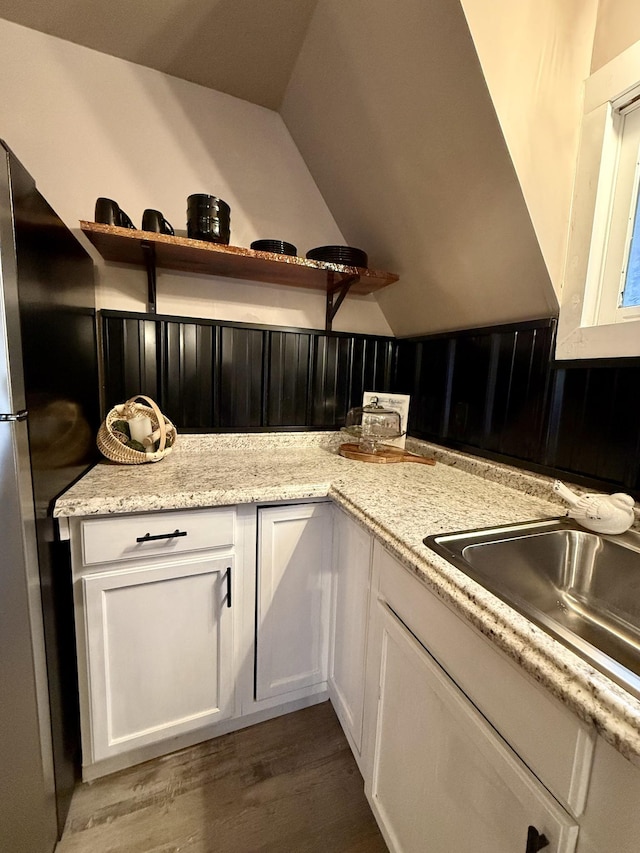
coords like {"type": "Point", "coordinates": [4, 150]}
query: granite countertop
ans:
{"type": "Point", "coordinates": [400, 504]}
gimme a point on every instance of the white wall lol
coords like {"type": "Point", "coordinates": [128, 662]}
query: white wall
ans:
{"type": "Point", "coordinates": [617, 28]}
{"type": "Point", "coordinates": [535, 55]}
{"type": "Point", "coordinates": [89, 125]}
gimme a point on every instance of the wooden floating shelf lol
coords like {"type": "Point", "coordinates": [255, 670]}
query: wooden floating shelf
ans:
{"type": "Point", "coordinates": [127, 246]}
{"type": "Point", "coordinates": [151, 250]}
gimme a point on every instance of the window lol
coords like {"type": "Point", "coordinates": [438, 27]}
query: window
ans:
{"type": "Point", "coordinates": [630, 295]}
{"type": "Point", "coordinates": [600, 310]}
{"type": "Point", "coordinates": [614, 264]}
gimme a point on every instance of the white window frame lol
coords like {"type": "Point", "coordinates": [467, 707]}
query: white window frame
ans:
{"type": "Point", "coordinates": [614, 217]}
{"type": "Point", "coordinates": [586, 328]}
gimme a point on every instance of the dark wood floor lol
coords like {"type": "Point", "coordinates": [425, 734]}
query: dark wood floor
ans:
{"type": "Point", "coordinates": [289, 785]}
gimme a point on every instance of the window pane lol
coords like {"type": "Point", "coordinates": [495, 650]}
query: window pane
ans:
{"type": "Point", "coordinates": [631, 293]}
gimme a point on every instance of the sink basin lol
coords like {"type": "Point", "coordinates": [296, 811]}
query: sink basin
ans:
{"type": "Point", "coordinates": [582, 588]}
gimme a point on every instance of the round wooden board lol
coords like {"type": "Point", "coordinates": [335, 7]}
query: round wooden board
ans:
{"type": "Point", "coordinates": [384, 454]}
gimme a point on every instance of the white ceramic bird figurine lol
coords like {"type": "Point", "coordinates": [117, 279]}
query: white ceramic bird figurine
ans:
{"type": "Point", "coordinates": [601, 513]}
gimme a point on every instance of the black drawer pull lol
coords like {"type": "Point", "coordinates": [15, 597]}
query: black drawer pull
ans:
{"type": "Point", "coordinates": [229, 586]}
{"type": "Point", "coordinates": [535, 840]}
{"type": "Point", "coordinates": [149, 538]}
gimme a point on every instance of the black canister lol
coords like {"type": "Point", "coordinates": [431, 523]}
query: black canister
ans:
{"type": "Point", "coordinates": [208, 218]}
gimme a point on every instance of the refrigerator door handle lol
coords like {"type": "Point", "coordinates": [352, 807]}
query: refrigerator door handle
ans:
{"type": "Point", "coordinates": [22, 415]}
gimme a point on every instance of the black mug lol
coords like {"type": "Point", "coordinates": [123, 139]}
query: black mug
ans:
{"type": "Point", "coordinates": [108, 213]}
{"type": "Point", "coordinates": [153, 220]}
{"type": "Point", "coordinates": [208, 218]}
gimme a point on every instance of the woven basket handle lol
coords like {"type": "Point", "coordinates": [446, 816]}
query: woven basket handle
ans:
{"type": "Point", "coordinates": [162, 426]}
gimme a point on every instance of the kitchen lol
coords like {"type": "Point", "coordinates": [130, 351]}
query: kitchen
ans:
{"type": "Point", "coordinates": [145, 139]}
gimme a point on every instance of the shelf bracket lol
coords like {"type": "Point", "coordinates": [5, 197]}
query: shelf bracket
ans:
{"type": "Point", "coordinates": [149, 251]}
{"type": "Point", "coordinates": [336, 295]}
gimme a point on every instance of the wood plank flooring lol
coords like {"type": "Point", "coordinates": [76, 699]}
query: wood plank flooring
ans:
{"type": "Point", "coordinates": [289, 785]}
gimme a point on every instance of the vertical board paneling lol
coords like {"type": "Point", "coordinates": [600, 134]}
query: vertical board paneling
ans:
{"type": "Point", "coordinates": [433, 396]}
{"type": "Point", "coordinates": [342, 369]}
{"type": "Point", "coordinates": [470, 388]}
{"type": "Point", "coordinates": [497, 391]}
{"type": "Point", "coordinates": [364, 367]}
{"type": "Point", "coordinates": [494, 390]}
{"type": "Point", "coordinates": [288, 379]}
{"type": "Point", "coordinates": [208, 375]}
{"type": "Point", "coordinates": [519, 398]}
{"type": "Point", "coordinates": [130, 359]}
{"type": "Point", "coordinates": [569, 404]}
{"type": "Point", "coordinates": [187, 368]}
{"type": "Point", "coordinates": [407, 373]}
{"type": "Point", "coordinates": [483, 388]}
{"type": "Point", "coordinates": [624, 426]}
{"type": "Point", "coordinates": [241, 377]}
{"type": "Point", "coordinates": [330, 381]}
{"type": "Point", "coordinates": [372, 362]}
{"type": "Point", "coordinates": [597, 424]}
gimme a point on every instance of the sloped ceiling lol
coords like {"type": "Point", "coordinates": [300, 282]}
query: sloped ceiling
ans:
{"type": "Point", "coordinates": [245, 48]}
{"type": "Point", "coordinates": [389, 107]}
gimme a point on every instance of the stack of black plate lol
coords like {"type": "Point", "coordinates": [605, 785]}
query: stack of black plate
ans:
{"type": "Point", "coordinates": [279, 247]}
{"type": "Point", "coordinates": [346, 255]}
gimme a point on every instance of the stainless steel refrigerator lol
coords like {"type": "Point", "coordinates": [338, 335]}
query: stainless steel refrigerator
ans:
{"type": "Point", "coordinates": [49, 414]}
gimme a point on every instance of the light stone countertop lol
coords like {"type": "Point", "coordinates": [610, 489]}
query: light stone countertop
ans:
{"type": "Point", "coordinates": [400, 504]}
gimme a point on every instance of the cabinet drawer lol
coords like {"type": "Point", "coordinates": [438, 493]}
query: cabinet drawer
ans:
{"type": "Point", "coordinates": [155, 534]}
{"type": "Point", "coordinates": [547, 736]}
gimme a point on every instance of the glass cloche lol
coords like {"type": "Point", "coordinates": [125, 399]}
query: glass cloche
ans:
{"type": "Point", "coordinates": [372, 425]}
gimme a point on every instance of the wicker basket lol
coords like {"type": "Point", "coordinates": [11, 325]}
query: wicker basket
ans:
{"type": "Point", "coordinates": [111, 447]}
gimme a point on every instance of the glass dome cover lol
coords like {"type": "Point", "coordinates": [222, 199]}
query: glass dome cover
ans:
{"type": "Point", "coordinates": [372, 425]}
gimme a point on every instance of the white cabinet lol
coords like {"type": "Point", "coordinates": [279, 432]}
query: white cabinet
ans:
{"type": "Point", "coordinates": [556, 746]}
{"type": "Point", "coordinates": [159, 652]}
{"type": "Point", "coordinates": [460, 749]}
{"type": "Point", "coordinates": [442, 779]}
{"type": "Point", "coordinates": [157, 626]}
{"type": "Point", "coordinates": [611, 821]}
{"type": "Point", "coordinates": [349, 621]}
{"type": "Point", "coordinates": [293, 598]}
{"type": "Point", "coordinates": [164, 660]}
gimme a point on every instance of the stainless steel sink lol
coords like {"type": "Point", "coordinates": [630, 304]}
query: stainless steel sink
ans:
{"type": "Point", "coordinates": [582, 588]}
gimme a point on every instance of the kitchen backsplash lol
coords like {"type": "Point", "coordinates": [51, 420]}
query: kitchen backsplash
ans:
{"type": "Point", "coordinates": [495, 391]}
{"type": "Point", "coordinates": [209, 376]}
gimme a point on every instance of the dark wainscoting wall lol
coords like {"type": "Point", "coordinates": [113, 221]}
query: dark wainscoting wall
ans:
{"type": "Point", "coordinates": [210, 376]}
{"type": "Point", "coordinates": [495, 392]}
{"type": "Point", "coordinates": [483, 389]}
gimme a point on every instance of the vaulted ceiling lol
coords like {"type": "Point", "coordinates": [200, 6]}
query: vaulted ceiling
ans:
{"type": "Point", "coordinates": [393, 116]}
{"type": "Point", "coordinates": [388, 105]}
{"type": "Point", "coordinates": [246, 48]}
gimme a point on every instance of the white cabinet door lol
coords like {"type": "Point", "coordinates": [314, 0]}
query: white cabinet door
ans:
{"type": "Point", "coordinates": [350, 608]}
{"type": "Point", "coordinates": [443, 780]}
{"type": "Point", "coordinates": [293, 598]}
{"type": "Point", "coordinates": [160, 652]}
